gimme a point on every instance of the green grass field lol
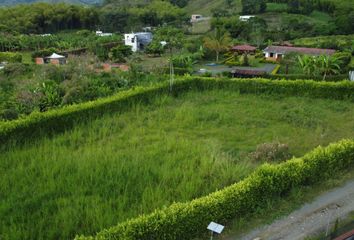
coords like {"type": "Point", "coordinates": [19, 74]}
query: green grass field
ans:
{"type": "Point", "coordinates": [176, 149]}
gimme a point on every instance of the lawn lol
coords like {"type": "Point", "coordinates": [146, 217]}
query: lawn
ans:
{"type": "Point", "coordinates": [176, 149]}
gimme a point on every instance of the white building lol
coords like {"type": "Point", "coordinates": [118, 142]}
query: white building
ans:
{"type": "Point", "coordinates": [245, 18]}
{"type": "Point", "coordinates": [196, 18]}
{"type": "Point", "coordinates": [102, 34]}
{"type": "Point", "coordinates": [137, 41]}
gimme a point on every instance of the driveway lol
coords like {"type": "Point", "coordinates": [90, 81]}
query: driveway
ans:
{"type": "Point", "coordinates": [310, 219]}
{"type": "Point", "coordinates": [268, 67]}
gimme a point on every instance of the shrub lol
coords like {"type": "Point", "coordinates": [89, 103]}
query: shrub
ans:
{"type": "Point", "coordinates": [15, 69]}
{"type": "Point", "coordinates": [10, 57]}
{"type": "Point", "coordinates": [120, 53]}
{"type": "Point", "coordinates": [271, 152]}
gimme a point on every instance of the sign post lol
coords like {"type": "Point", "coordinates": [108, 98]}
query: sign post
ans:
{"type": "Point", "coordinates": [215, 228]}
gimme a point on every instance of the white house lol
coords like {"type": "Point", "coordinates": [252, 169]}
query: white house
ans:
{"type": "Point", "coordinates": [102, 34]}
{"type": "Point", "coordinates": [137, 41]}
{"type": "Point", "coordinates": [196, 17]}
{"type": "Point", "coordinates": [245, 18]}
{"type": "Point", "coordinates": [56, 59]}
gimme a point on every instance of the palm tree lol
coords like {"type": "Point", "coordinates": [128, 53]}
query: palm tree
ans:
{"type": "Point", "coordinates": [328, 65]}
{"type": "Point", "coordinates": [218, 43]}
{"type": "Point", "coordinates": [308, 64]}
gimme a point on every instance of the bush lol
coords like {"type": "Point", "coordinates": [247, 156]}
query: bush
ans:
{"type": "Point", "coordinates": [120, 53]}
{"type": "Point", "coordinates": [10, 57]}
{"type": "Point", "coordinates": [344, 60]}
{"type": "Point", "coordinates": [15, 69]}
{"type": "Point", "coordinates": [271, 152]}
{"type": "Point", "coordinates": [331, 78]}
{"type": "Point", "coordinates": [44, 53]}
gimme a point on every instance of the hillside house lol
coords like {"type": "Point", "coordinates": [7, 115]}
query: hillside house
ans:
{"type": "Point", "coordinates": [276, 53]}
{"type": "Point", "coordinates": [243, 49]}
{"type": "Point", "coordinates": [102, 34]}
{"type": "Point", "coordinates": [245, 18]}
{"type": "Point", "coordinates": [138, 41]}
{"type": "Point", "coordinates": [55, 59]}
{"type": "Point", "coordinates": [196, 18]}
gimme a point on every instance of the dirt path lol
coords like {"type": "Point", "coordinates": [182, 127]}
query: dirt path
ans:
{"type": "Point", "coordinates": [309, 219]}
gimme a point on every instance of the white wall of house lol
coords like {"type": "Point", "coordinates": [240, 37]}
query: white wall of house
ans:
{"type": "Point", "coordinates": [137, 40]}
{"type": "Point", "coordinates": [275, 55]}
{"type": "Point", "coordinates": [131, 40]}
{"type": "Point", "coordinates": [245, 18]}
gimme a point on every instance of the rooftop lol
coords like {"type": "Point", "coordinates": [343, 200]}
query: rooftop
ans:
{"type": "Point", "coordinates": [243, 48]}
{"type": "Point", "coordinates": [304, 50]}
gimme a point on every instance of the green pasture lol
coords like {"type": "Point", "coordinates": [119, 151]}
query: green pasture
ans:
{"type": "Point", "coordinates": [178, 148]}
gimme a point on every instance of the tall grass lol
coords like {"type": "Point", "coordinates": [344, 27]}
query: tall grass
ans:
{"type": "Point", "coordinates": [176, 149]}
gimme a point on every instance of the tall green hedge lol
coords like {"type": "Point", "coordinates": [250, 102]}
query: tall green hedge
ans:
{"type": "Point", "coordinates": [188, 220]}
{"type": "Point", "coordinates": [10, 57]}
{"type": "Point", "coordinates": [62, 119]}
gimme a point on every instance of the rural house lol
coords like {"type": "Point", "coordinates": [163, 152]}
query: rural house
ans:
{"type": "Point", "coordinates": [56, 59]}
{"type": "Point", "coordinates": [138, 41]}
{"type": "Point", "coordinates": [245, 18]}
{"type": "Point", "coordinates": [276, 53]}
{"type": "Point", "coordinates": [102, 34]}
{"type": "Point", "coordinates": [244, 49]}
{"type": "Point", "coordinates": [196, 18]}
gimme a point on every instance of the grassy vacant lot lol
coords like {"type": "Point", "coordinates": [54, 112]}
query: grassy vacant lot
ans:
{"type": "Point", "coordinates": [176, 149]}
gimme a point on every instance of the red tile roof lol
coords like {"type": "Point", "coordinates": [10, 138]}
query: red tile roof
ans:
{"type": "Point", "coordinates": [243, 48]}
{"type": "Point", "coordinates": [304, 50]}
{"type": "Point", "coordinates": [346, 235]}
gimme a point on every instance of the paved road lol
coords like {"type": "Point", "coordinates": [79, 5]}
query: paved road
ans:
{"type": "Point", "coordinates": [309, 219]}
{"type": "Point", "coordinates": [268, 67]}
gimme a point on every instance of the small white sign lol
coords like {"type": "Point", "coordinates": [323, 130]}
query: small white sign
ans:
{"type": "Point", "coordinates": [351, 75]}
{"type": "Point", "coordinates": [215, 227]}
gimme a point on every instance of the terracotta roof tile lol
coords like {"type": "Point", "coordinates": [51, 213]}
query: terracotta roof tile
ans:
{"type": "Point", "coordinates": [304, 50]}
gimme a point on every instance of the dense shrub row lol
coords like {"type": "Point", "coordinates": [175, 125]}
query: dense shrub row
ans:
{"type": "Point", "coordinates": [188, 220]}
{"type": "Point", "coordinates": [10, 57]}
{"type": "Point", "coordinates": [66, 117]}
{"type": "Point", "coordinates": [331, 78]}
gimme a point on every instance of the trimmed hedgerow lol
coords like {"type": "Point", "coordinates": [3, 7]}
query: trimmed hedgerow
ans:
{"type": "Point", "coordinates": [62, 119]}
{"type": "Point", "coordinates": [188, 220]}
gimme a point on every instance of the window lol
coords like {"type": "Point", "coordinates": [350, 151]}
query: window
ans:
{"type": "Point", "coordinates": [271, 54]}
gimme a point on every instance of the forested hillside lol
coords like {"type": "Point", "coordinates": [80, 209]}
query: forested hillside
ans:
{"type": "Point", "coordinates": [16, 2]}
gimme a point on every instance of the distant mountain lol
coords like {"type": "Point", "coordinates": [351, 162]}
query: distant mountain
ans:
{"type": "Point", "coordinates": [16, 2]}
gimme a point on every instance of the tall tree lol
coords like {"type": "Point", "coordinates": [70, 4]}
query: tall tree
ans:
{"type": "Point", "coordinates": [218, 42]}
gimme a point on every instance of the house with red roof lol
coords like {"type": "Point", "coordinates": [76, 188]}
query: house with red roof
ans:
{"type": "Point", "coordinates": [276, 53]}
{"type": "Point", "coordinates": [243, 49]}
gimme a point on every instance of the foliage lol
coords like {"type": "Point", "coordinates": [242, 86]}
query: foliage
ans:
{"type": "Point", "coordinates": [253, 6]}
{"type": "Point", "coordinates": [47, 18]}
{"type": "Point", "coordinates": [173, 37]}
{"type": "Point", "coordinates": [338, 42]}
{"type": "Point", "coordinates": [23, 128]}
{"type": "Point", "coordinates": [322, 65]}
{"type": "Point", "coordinates": [218, 42]}
{"type": "Point", "coordinates": [10, 57]}
{"type": "Point", "coordinates": [155, 48]}
{"type": "Point", "coordinates": [61, 41]}
{"type": "Point", "coordinates": [120, 53]}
